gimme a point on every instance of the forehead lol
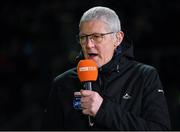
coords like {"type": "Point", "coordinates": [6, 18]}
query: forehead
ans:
{"type": "Point", "coordinates": [93, 26]}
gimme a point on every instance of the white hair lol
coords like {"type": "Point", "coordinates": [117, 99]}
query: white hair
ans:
{"type": "Point", "coordinates": [104, 14]}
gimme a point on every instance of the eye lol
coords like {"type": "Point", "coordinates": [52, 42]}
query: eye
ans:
{"type": "Point", "coordinates": [82, 38]}
{"type": "Point", "coordinates": [96, 37]}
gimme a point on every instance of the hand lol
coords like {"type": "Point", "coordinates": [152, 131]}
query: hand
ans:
{"type": "Point", "coordinates": [90, 102]}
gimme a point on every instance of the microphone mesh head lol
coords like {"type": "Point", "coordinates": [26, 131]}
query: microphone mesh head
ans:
{"type": "Point", "coordinates": [87, 70]}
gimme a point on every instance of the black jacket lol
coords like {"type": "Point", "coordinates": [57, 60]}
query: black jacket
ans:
{"type": "Point", "coordinates": [133, 98]}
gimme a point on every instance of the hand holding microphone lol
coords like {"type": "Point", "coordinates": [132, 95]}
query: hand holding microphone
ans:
{"type": "Point", "coordinates": [90, 102]}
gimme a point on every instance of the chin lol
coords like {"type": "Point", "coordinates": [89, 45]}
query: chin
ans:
{"type": "Point", "coordinates": [98, 64]}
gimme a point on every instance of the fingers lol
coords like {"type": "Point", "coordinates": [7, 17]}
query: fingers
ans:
{"type": "Point", "coordinates": [90, 102]}
{"type": "Point", "coordinates": [86, 111]}
{"type": "Point", "coordinates": [86, 101]}
{"type": "Point", "coordinates": [85, 92]}
{"type": "Point", "coordinates": [85, 104]}
{"type": "Point", "coordinates": [87, 108]}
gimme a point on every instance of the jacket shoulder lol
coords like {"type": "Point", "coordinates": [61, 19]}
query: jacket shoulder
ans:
{"type": "Point", "coordinates": [149, 75]}
{"type": "Point", "coordinates": [145, 68]}
{"type": "Point", "coordinates": [147, 72]}
{"type": "Point", "coordinates": [71, 73]}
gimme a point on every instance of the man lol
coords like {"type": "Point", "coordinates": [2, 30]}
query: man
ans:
{"type": "Point", "coordinates": [127, 95]}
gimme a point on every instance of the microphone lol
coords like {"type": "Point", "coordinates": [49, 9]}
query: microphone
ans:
{"type": "Point", "coordinates": [87, 72]}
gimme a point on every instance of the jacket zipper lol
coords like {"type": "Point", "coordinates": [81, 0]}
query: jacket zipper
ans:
{"type": "Point", "coordinates": [100, 82]}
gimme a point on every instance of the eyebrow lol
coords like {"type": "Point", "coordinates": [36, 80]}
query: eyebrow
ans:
{"type": "Point", "coordinates": [83, 34]}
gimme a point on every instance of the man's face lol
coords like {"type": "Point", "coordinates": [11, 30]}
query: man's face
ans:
{"type": "Point", "coordinates": [96, 46]}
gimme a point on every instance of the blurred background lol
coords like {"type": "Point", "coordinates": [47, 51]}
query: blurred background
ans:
{"type": "Point", "coordinates": [38, 42]}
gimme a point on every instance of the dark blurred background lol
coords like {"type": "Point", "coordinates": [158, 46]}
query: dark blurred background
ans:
{"type": "Point", "coordinates": [38, 42]}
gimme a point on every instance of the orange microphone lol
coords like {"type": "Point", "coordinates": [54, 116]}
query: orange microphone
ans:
{"type": "Point", "coordinates": [87, 71]}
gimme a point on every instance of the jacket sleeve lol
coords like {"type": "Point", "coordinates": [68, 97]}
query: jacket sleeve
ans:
{"type": "Point", "coordinates": [154, 112]}
{"type": "Point", "coordinates": [52, 116]}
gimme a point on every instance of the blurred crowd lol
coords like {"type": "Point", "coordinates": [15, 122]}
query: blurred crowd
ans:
{"type": "Point", "coordinates": [38, 42]}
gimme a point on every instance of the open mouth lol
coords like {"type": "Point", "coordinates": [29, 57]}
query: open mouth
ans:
{"type": "Point", "coordinates": [92, 55]}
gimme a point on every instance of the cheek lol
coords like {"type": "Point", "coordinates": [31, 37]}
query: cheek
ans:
{"type": "Point", "coordinates": [107, 52]}
{"type": "Point", "coordinates": [84, 51]}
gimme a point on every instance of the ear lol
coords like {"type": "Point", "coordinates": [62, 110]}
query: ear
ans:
{"type": "Point", "coordinates": [119, 37]}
